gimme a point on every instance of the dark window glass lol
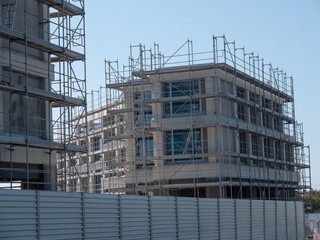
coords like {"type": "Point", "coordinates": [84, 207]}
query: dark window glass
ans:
{"type": "Point", "coordinates": [267, 120]}
{"type": "Point", "coordinates": [254, 98]}
{"type": "Point", "coordinates": [277, 124]}
{"type": "Point", "coordinates": [289, 152]}
{"type": "Point", "coordinates": [97, 157]}
{"type": "Point", "coordinates": [177, 89]}
{"type": "Point", "coordinates": [278, 149]}
{"type": "Point", "coordinates": [96, 144]}
{"type": "Point", "coordinates": [253, 115]}
{"type": "Point", "coordinates": [276, 107]}
{"type": "Point", "coordinates": [266, 102]}
{"type": "Point", "coordinates": [267, 148]}
{"type": "Point", "coordinates": [144, 115]}
{"type": "Point", "coordinates": [184, 160]}
{"type": "Point", "coordinates": [181, 142]}
{"type": "Point", "coordinates": [241, 111]}
{"type": "Point", "coordinates": [148, 147]}
{"type": "Point", "coordinates": [145, 166]}
{"type": "Point", "coordinates": [241, 92]}
{"type": "Point", "coordinates": [242, 142]}
{"type": "Point", "coordinates": [254, 145]}
{"type": "Point", "coordinates": [98, 184]}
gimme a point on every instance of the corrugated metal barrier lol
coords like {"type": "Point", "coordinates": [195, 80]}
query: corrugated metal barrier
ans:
{"type": "Point", "coordinates": [58, 215]}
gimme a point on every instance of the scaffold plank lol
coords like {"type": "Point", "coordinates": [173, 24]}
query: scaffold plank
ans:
{"type": "Point", "coordinates": [63, 54]}
{"type": "Point", "coordinates": [41, 144]}
{"type": "Point", "coordinates": [45, 95]}
{"type": "Point", "coordinates": [64, 7]}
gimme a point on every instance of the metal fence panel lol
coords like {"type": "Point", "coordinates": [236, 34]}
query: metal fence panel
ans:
{"type": "Point", "coordinates": [281, 220]}
{"type": "Point", "coordinates": [300, 220]}
{"type": "Point", "coordinates": [209, 219]}
{"type": "Point", "coordinates": [163, 218]}
{"type": "Point", "coordinates": [270, 220]}
{"type": "Point", "coordinates": [188, 226]}
{"type": "Point", "coordinates": [18, 215]}
{"type": "Point", "coordinates": [257, 219]}
{"type": "Point", "coordinates": [291, 220]}
{"type": "Point", "coordinates": [227, 219]}
{"type": "Point", "coordinates": [60, 215]}
{"type": "Point", "coordinates": [243, 210]}
{"type": "Point", "coordinates": [135, 222]}
{"type": "Point", "coordinates": [102, 217]}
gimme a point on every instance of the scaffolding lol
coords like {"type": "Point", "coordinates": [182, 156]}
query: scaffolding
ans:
{"type": "Point", "coordinates": [42, 91]}
{"type": "Point", "coordinates": [219, 123]}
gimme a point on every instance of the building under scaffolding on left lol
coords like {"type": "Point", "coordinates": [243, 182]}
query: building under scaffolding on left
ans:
{"type": "Point", "coordinates": [42, 85]}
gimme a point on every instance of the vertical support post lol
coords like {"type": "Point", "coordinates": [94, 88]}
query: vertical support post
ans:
{"type": "Point", "coordinates": [219, 218]}
{"type": "Point", "coordinates": [286, 218]}
{"type": "Point", "coordinates": [304, 221]}
{"type": "Point", "coordinates": [296, 219]}
{"type": "Point", "coordinates": [83, 215]}
{"type": "Point", "coordinates": [38, 214]}
{"type": "Point", "coordinates": [119, 217]}
{"type": "Point", "coordinates": [264, 219]}
{"type": "Point", "coordinates": [276, 218]}
{"type": "Point", "coordinates": [150, 217]}
{"type": "Point", "coordinates": [235, 218]}
{"type": "Point", "coordinates": [198, 217]}
{"type": "Point", "coordinates": [177, 217]}
{"type": "Point", "coordinates": [27, 87]}
{"type": "Point", "coordinates": [251, 230]}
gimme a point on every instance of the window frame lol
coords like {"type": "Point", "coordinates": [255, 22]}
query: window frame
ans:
{"type": "Point", "coordinates": [168, 107]}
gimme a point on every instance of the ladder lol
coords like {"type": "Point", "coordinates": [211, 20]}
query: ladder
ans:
{"type": "Point", "coordinates": [185, 150]}
{"type": "Point", "coordinates": [11, 13]}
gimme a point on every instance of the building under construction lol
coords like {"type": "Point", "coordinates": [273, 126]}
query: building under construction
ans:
{"type": "Point", "coordinates": [42, 86]}
{"type": "Point", "coordinates": [212, 124]}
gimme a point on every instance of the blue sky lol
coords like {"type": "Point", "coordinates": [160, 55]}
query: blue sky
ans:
{"type": "Point", "coordinates": [286, 33]}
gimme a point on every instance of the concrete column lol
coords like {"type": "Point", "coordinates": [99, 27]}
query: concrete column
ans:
{"type": "Point", "coordinates": [249, 146]}
{"type": "Point", "coordinates": [210, 88]}
{"type": "Point", "coordinates": [158, 144]}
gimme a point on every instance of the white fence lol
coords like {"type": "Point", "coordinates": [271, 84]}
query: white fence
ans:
{"type": "Point", "coordinates": [58, 215]}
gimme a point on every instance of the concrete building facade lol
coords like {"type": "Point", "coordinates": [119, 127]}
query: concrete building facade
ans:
{"type": "Point", "coordinates": [35, 91]}
{"type": "Point", "coordinates": [218, 126]}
